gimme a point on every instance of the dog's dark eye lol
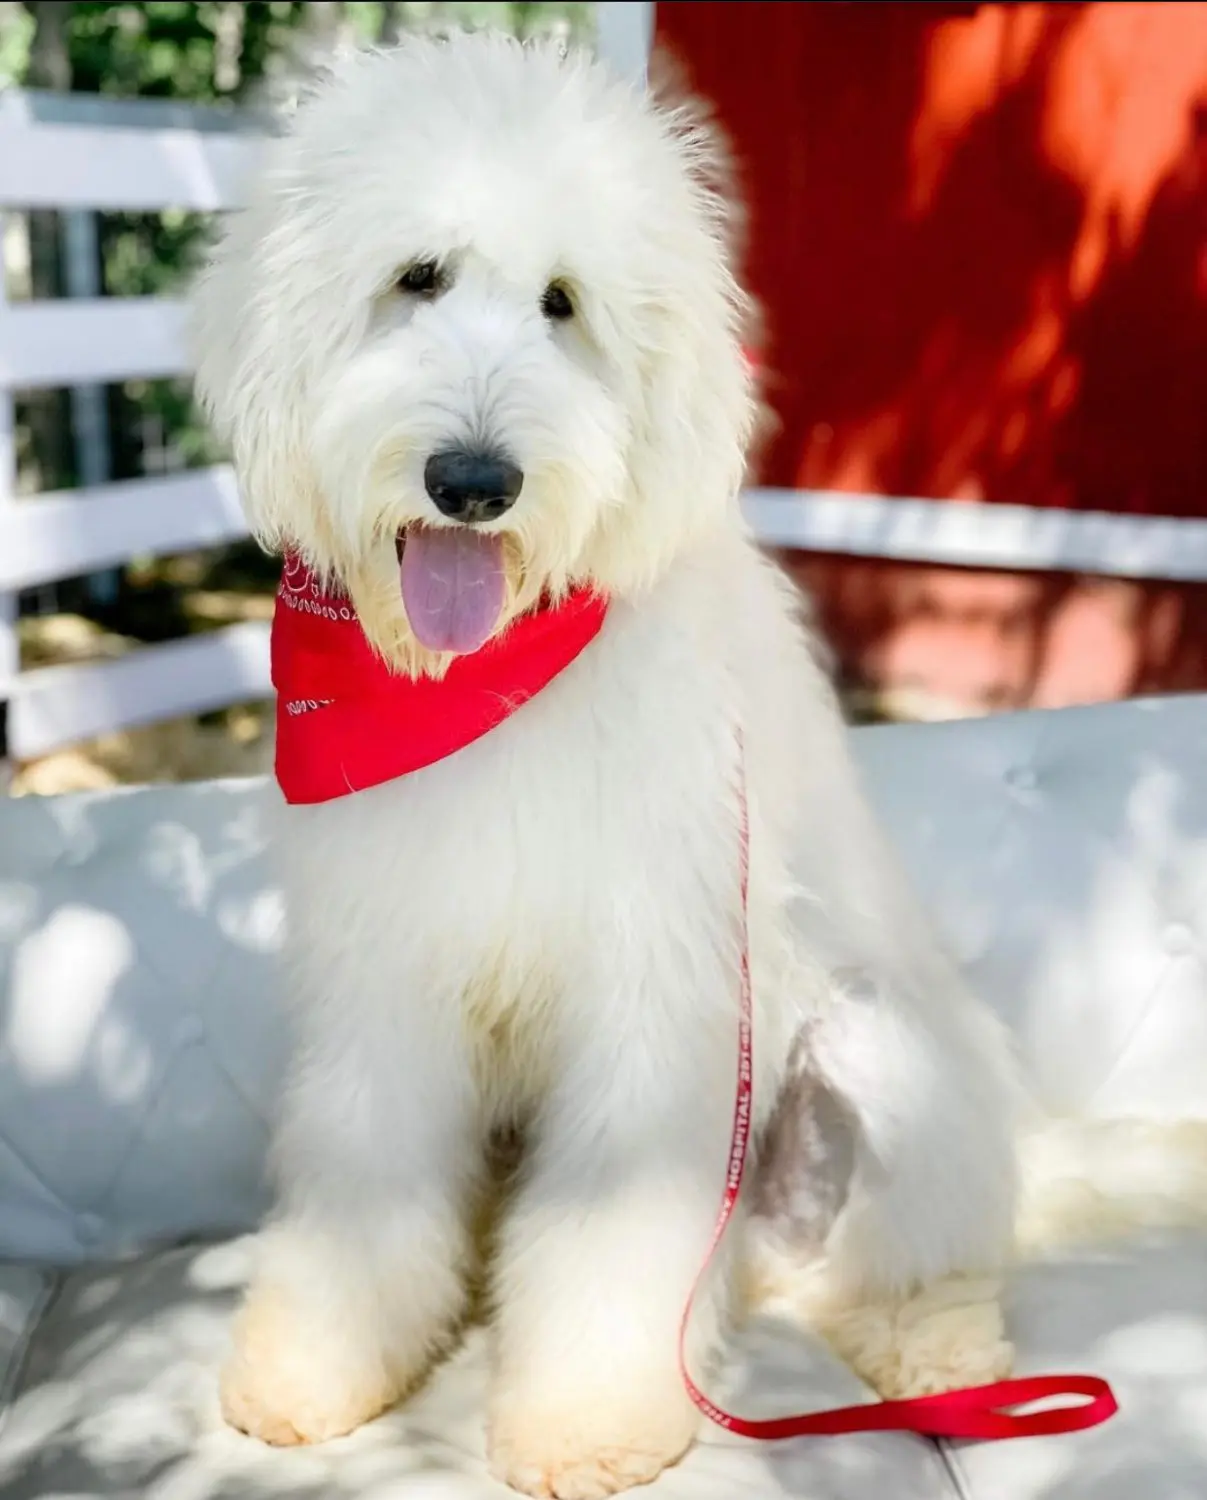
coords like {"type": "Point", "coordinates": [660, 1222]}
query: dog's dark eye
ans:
{"type": "Point", "coordinates": [419, 280]}
{"type": "Point", "coordinates": [556, 303]}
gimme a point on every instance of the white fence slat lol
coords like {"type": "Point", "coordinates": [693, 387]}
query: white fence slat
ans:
{"type": "Point", "coordinates": [972, 535]}
{"type": "Point", "coordinates": [10, 662]}
{"type": "Point", "coordinates": [57, 706]}
{"type": "Point", "coordinates": [62, 535]}
{"type": "Point", "coordinates": [55, 165]}
{"type": "Point", "coordinates": [91, 341]}
{"type": "Point", "coordinates": [10, 648]}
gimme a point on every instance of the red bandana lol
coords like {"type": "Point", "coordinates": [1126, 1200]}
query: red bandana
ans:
{"type": "Point", "coordinates": [345, 721]}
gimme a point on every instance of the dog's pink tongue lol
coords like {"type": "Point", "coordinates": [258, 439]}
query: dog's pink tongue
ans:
{"type": "Point", "coordinates": [452, 586]}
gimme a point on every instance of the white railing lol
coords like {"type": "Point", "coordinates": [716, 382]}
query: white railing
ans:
{"type": "Point", "coordinates": [135, 156]}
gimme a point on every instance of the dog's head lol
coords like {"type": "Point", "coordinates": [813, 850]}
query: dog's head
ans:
{"type": "Point", "coordinates": [476, 338]}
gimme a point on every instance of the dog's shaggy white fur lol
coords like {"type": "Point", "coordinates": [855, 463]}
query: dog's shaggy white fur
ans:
{"type": "Point", "coordinates": [542, 932]}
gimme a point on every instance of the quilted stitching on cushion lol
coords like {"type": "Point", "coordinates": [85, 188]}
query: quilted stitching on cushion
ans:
{"type": "Point", "coordinates": [1064, 856]}
{"type": "Point", "coordinates": [24, 1292]}
{"type": "Point", "coordinates": [139, 1045]}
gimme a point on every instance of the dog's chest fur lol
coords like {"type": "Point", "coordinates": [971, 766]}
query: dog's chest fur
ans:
{"type": "Point", "coordinates": [592, 834]}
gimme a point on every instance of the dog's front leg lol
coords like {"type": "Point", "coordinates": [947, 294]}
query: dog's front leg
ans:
{"type": "Point", "coordinates": [361, 1272]}
{"type": "Point", "coordinates": [608, 1231]}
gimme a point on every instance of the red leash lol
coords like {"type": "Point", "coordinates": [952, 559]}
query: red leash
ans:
{"type": "Point", "coordinates": [983, 1411]}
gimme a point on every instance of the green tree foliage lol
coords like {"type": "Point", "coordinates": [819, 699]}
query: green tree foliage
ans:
{"type": "Point", "coordinates": [16, 33]}
{"type": "Point", "coordinates": [219, 49]}
{"type": "Point", "coordinates": [167, 50]}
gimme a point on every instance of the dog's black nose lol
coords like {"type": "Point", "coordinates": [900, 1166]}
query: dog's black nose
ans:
{"type": "Point", "coordinates": [472, 487]}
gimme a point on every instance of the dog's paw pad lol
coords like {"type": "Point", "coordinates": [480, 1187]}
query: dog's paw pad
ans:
{"type": "Point", "coordinates": [287, 1389]}
{"type": "Point", "coordinates": [555, 1459]}
{"type": "Point", "coordinates": [592, 1477]}
{"type": "Point", "coordinates": [568, 1476]}
{"type": "Point", "coordinates": [287, 1419]}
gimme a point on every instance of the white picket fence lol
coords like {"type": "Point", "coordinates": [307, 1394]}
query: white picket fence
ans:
{"type": "Point", "coordinates": [137, 158]}
{"type": "Point", "coordinates": [134, 157]}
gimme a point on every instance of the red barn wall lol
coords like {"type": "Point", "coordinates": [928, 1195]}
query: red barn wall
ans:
{"type": "Point", "coordinates": [979, 234]}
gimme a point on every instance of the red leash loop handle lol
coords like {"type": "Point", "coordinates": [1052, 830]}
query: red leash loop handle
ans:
{"type": "Point", "coordinates": [980, 1411]}
{"type": "Point", "coordinates": [983, 1411]}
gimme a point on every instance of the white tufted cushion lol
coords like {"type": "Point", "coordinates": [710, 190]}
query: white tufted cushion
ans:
{"type": "Point", "coordinates": [1063, 854]}
{"type": "Point", "coordinates": [139, 1042]}
{"type": "Point", "coordinates": [1136, 1314]}
{"type": "Point", "coordinates": [1065, 858]}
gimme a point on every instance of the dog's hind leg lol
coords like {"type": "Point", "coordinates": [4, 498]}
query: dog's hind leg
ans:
{"type": "Point", "coordinates": [924, 1074]}
{"type": "Point", "coordinates": [884, 1206]}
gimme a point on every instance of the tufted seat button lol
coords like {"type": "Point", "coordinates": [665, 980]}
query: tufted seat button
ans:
{"type": "Point", "coordinates": [89, 1229]}
{"type": "Point", "coordinates": [190, 1031]}
{"type": "Point", "coordinates": [1178, 939]}
{"type": "Point", "coordinates": [1022, 778]}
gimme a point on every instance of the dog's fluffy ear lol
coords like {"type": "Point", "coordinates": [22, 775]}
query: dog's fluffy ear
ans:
{"type": "Point", "coordinates": [248, 387]}
{"type": "Point", "coordinates": [694, 388]}
{"type": "Point", "coordinates": [262, 323]}
{"type": "Point", "coordinates": [708, 156]}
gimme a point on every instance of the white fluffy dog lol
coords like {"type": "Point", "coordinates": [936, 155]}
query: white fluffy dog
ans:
{"type": "Point", "coordinates": [476, 254]}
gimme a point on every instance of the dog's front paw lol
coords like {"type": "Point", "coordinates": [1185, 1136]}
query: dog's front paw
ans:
{"type": "Point", "coordinates": [565, 1450]}
{"type": "Point", "coordinates": [284, 1385]}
